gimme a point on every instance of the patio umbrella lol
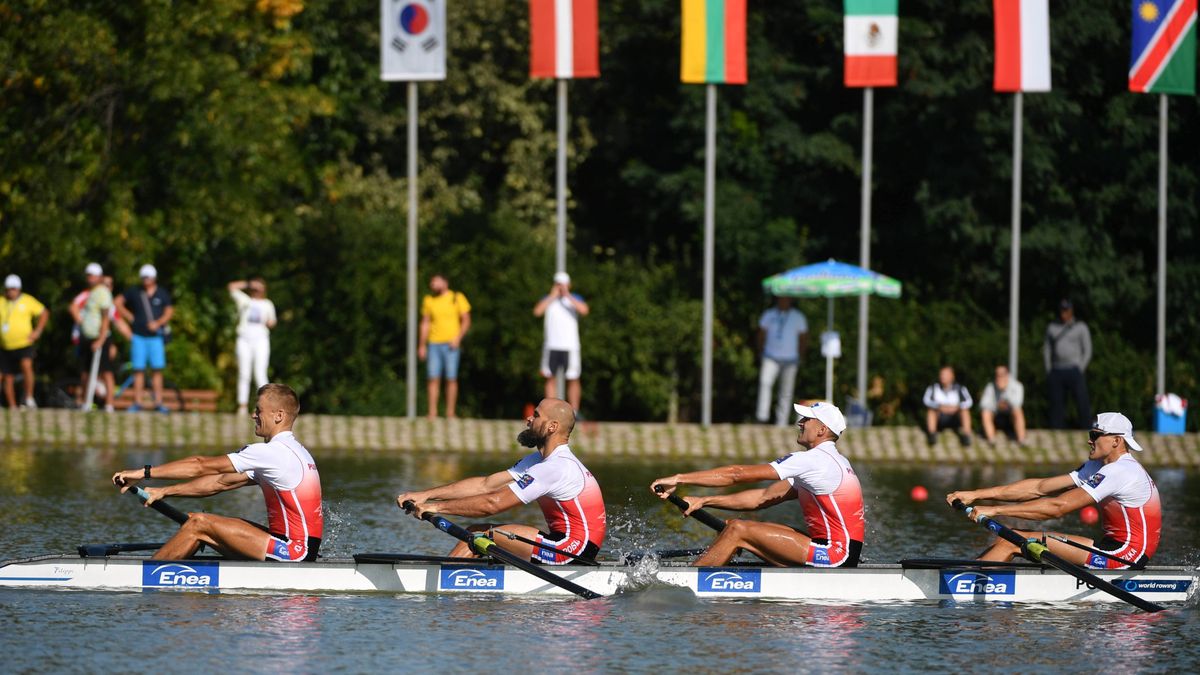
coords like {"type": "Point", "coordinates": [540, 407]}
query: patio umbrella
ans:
{"type": "Point", "coordinates": [830, 279]}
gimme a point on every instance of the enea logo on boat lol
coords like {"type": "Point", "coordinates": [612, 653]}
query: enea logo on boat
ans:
{"type": "Point", "coordinates": [458, 578]}
{"type": "Point", "coordinates": [180, 574]}
{"type": "Point", "coordinates": [729, 580]}
{"type": "Point", "coordinates": [968, 582]}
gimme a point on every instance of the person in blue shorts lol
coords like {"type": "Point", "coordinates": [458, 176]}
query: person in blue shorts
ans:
{"type": "Point", "coordinates": [148, 308]}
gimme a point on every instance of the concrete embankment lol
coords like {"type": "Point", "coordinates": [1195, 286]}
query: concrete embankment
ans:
{"type": "Point", "coordinates": [725, 442]}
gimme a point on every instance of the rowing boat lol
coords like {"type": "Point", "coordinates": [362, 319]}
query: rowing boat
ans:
{"type": "Point", "coordinates": [391, 573]}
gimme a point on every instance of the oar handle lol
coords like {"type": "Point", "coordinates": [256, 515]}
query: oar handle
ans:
{"type": "Point", "coordinates": [160, 506]}
{"type": "Point", "coordinates": [699, 514]}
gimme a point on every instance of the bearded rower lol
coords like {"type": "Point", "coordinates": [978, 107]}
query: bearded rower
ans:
{"type": "Point", "coordinates": [818, 476]}
{"type": "Point", "coordinates": [280, 466]}
{"type": "Point", "coordinates": [552, 476]}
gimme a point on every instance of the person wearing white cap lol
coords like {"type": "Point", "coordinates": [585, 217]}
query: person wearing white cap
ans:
{"type": "Point", "coordinates": [1110, 478]}
{"type": "Point", "coordinates": [17, 337]}
{"type": "Point", "coordinates": [818, 476]}
{"type": "Point", "coordinates": [561, 348]}
{"type": "Point", "coordinates": [92, 311]}
{"type": "Point", "coordinates": [148, 308]}
{"type": "Point", "coordinates": [256, 318]}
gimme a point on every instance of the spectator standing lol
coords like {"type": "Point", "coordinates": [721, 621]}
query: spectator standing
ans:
{"type": "Point", "coordinates": [782, 345]}
{"type": "Point", "coordinates": [947, 406]}
{"type": "Point", "coordinates": [1066, 354]}
{"type": "Point", "coordinates": [1002, 406]}
{"type": "Point", "coordinates": [561, 347]}
{"type": "Point", "coordinates": [17, 336]}
{"type": "Point", "coordinates": [256, 318]}
{"type": "Point", "coordinates": [149, 309]}
{"type": "Point", "coordinates": [92, 310]}
{"type": "Point", "coordinates": [445, 320]}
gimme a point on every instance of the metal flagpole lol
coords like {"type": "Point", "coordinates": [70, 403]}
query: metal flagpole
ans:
{"type": "Point", "coordinates": [560, 249]}
{"type": "Point", "coordinates": [710, 180]}
{"type": "Point", "coordinates": [864, 244]}
{"type": "Point", "coordinates": [1160, 380]}
{"type": "Point", "coordinates": [829, 357]}
{"type": "Point", "coordinates": [411, 374]}
{"type": "Point", "coordinates": [1014, 284]}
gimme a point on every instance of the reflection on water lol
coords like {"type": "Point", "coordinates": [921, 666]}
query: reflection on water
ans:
{"type": "Point", "coordinates": [55, 500]}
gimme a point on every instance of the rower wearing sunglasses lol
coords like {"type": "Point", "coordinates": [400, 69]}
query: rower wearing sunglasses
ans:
{"type": "Point", "coordinates": [1111, 478]}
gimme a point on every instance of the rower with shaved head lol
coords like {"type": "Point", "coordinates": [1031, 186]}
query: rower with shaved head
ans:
{"type": "Point", "coordinates": [281, 466]}
{"type": "Point", "coordinates": [552, 475]}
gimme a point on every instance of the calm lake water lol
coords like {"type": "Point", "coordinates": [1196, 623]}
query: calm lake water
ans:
{"type": "Point", "coordinates": [54, 500]}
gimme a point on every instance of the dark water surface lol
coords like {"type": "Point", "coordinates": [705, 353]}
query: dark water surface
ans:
{"type": "Point", "coordinates": [53, 500]}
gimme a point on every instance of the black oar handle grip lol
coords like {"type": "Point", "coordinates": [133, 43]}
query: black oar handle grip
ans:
{"type": "Point", "coordinates": [958, 505]}
{"type": "Point", "coordinates": [699, 514]}
{"type": "Point", "coordinates": [160, 506]}
{"type": "Point", "coordinates": [409, 507]}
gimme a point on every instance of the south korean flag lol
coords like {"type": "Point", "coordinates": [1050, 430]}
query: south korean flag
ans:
{"type": "Point", "coordinates": [412, 40]}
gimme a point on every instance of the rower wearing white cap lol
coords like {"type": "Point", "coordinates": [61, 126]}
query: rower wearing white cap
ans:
{"type": "Point", "coordinates": [818, 476]}
{"type": "Point", "coordinates": [1111, 478]}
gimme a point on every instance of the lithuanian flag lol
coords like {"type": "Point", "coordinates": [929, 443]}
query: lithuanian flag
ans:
{"type": "Point", "coordinates": [714, 42]}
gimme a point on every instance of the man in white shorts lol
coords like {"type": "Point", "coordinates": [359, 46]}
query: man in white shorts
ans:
{"type": "Point", "coordinates": [282, 468]}
{"type": "Point", "coordinates": [552, 476]}
{"type": "Point", "coordinates": [819, 477]}
{"type": "Point", "coordinates": [561, 347]}
{"type": "Point", "coordinates": [256, 318]}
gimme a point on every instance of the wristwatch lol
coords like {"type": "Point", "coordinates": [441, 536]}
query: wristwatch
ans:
{"type": "Point", "coordinates": [146, 472]}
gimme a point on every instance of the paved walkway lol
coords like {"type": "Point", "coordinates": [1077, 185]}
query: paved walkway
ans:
{"type": "Point", "coordinates": [726, 442]}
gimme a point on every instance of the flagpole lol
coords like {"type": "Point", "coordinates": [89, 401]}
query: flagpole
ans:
{"type": "Point", "coordinates": [1014, 284]}
{"type": "Point", "coordinates": [864, 244]}
{"type": "Point", "coordinates": [1160, 380]}
{"type": "Point", "coordinates": [411, 370]}
{"type": "Point", "coordinates": [560, 247]}
{"type": "Point", "coordinates": [710, 176]}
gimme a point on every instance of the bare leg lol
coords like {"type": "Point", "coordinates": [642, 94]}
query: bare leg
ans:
{"type": "Point", "coordinates": [233, 537]}
{"type": "Point", "coordinates": [931, 419]}
{"type": "Point", "coordinates": [518, 548]}
{"type": "Point", "coordinates": [110, 387]}
{"type": "Point", "coordinates": [27, 371]}
{"type": "Point", "coordinates": [139, 386]}
{"type": "Point", "coordinates": [1018, 420]}
{"type": "Point", "coordinates": [1003, 551]}
{"type": "Point", "coordinates": [433, 388]}
{"type": "Point", "coordinates": [156, 380]}
{"type": "Point", "coordinates": [778, 544]}
{"type": "Point", "coordinates": [965, 420]}
{"type": "Point", "coordinates": [989, 425]}
{"type": "Point", "coordinates": [574, 393]}
{"type": "Point", "coordinates": [451, 397]}
{"type": "Point", "coordinates": [9, 394]}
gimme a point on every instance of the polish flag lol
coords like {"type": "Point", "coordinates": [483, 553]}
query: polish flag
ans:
{"type": "Point", "coordinates": [1022, 45]}
{"type": "Point", "coordinates": [564, 39]}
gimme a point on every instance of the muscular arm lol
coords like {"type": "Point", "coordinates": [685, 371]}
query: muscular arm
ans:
{"type": "Point", "coordinates": [540, 308]}
{"type": "Point", "coordinates": [721, 476]}
{"type": "Point", "coordinates": [747, 500]}
{"type": "Point", "coordinates": [464, 325]}
{"type": "Point", "coordinates": [204, 486]}
{"type": "Point", "coordinates": [467, 487]}
{"type": "Point", "coordinates": [1020, 491]}
{"type": "Point", "coordinates": [423, 332]}
{"type": "Point", "coordinates": [1045, 508]}
{"type": "Point", "coordinates": [180, 469]}
{"type": "Point", "coordinates": [478, 506]}
{"type": "Point", "coordinates": [166, 317]}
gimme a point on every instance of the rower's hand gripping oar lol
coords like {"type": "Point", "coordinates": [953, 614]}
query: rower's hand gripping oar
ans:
{"type": "Point", "coordinates": [1037, 552]}
{"type": "Point", "coordinates": [484, 546]}
{"type": "Point", "coordinates": [699, 514]}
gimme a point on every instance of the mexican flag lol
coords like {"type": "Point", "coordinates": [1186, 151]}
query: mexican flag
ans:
{"type": "Point", "coordinates": [564, 39]}
{"type": "Point", "coordinates": [1163, 59]}
{"type": "Point", "coordinates": [714, 42]}
{"type": "Point", "coordinates": [870, 34]}
{"type": "Point", "coordinates": [1022, 45]}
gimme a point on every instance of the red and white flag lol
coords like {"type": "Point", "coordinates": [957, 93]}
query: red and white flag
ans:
{"type": "Point", "coordinates": [564, 39]}
{"type": "Point", "coordinates": [1022, 45]}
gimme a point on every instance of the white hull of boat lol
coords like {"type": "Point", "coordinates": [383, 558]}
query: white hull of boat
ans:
{"type": "Point", "coordinates": [879, 583]}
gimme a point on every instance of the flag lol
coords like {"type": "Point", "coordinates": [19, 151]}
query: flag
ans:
{"type": "Point", "coordinates": [1163, 59]}
{"type": "Point", "coordinates": [564, 38]}
{"type": "Point", "coordinates": [1022, 45]}
{"type": "Point", "coordinates": [412, 40]}
{"type": "Point", "coordinates": [870, 35]}
{"type": "Point", "coordinates": [714, 42]}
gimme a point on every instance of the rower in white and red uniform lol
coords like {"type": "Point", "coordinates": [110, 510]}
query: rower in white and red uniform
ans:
{"type": "Point", "coordinates": [552, 476]}
{"type": "Point", "coordinates": [819, 477]}
{"type": "Point", "coordinates": [280, 466]}
{"type": "Point", "coordinates": [1111, 478]}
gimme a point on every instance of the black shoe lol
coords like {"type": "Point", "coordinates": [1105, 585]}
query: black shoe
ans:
{"type": "Point", "coordinates": [931, 438]}
{"type": "Point", "coordinates": [965, 439]}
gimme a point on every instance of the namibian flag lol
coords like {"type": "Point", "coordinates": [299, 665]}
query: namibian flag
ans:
{"type": "Point", "coordinates": [1163, 59]}
{"type": "Point", "coordinates": [714, 41]}
{"type": "Point", "coordinates": [564, 39]}
{"type": "Point", "coordinates": [870, 35]}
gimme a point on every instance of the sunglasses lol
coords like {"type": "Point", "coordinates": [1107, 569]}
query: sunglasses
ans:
{"type": "Point", "coordinates": [1095, 435]}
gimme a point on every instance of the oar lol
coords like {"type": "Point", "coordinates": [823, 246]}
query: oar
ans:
{"type": "Point", "coordinates": [484, 546]}
{"type": "Point", "coordinates": [699, 514]}
{"type": "Point", "coordinates": [105, 550]}
{"type": "Point", "coordinates": [546, 547]}
{"type": "Point", "coordinates": [1097, 551]}
{"type": "Point", "coordinates": [1038, 552]}
{"type": "Point", "coordinates": [160, 506]}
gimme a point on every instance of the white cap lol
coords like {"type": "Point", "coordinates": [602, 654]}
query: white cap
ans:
{"type": "Point", "coordinates": [12, 281]}
{"type": "Point", "coordinates": [1116, 423]}
{"type": "Point", "coordinates": [93, 270]}
{"type": "Point", "coordinates": [148, 271]}
{"type": "Point", "coordinates": [827, 413]}
{"type": "Point", "coordinates": [562, 278]}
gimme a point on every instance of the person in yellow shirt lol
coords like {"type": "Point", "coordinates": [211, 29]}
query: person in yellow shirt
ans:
{"type": "Point", "coordinates": [445, 320]}
{"type": "Point", "coordinates": [17, 336]}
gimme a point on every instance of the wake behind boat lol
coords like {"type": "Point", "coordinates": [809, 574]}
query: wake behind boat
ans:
{"type": "Point", "coordinates": [910, 580]}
